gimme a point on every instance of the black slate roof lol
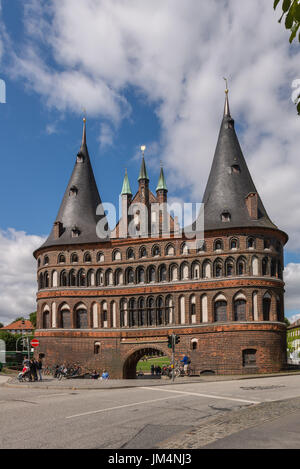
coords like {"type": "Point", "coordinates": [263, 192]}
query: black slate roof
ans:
{"type": "Point", "coordinates": [229, 184]}
{"type": "Point", "coordinates": [79, 204]}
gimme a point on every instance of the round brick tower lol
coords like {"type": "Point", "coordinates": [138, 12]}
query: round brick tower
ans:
{"type": "Point", "coordinates": [106, 302]}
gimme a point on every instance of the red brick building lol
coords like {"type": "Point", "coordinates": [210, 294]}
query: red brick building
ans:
{"type": "Point", "coordinates": [105, 302]}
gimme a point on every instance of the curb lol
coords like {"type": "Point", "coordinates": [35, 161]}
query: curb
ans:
{"type": "Point", "coordinates": [167, 383]}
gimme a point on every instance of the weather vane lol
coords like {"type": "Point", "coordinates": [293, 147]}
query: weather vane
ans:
{"type": "Point", "coordinates": [226, 81]}
{"type": "Point", "coordinates": [143, 148]}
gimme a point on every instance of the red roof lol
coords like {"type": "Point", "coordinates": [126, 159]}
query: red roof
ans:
{"type": "Point", "coordinates": [17, 325]}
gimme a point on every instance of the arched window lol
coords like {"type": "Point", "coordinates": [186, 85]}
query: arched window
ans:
{"type": "Point", "coordinates": [218, 268]}
{"type": "Point", "coordinates": [218, 245]}
{"type": "Point", "coordinates": [46, 260]}
{"type": "Point", "coordinates": [100, 257]}
{"type": "Point", "coordinates": [201, 246]}
{"type": "Point", "coordinates": [240, 309]}
{"type": "Point", "coordinates": [91, 278]}
{"type": "Point", "coordinates": [184, 271]}
{"type": "Point", "coordinates": [97, 348]}
{"type": "Point", "coordinates": [194, 344]}
{"type": "Point", "coordinates": [142, 320]}
{"type": "Point", "coordinates": [72, 278]}
{"type": "Point", "coordinates": [46, 280]}
{"type": "Point", "coordinates": [241, 267]}
{"type": "Point", "coordinates": [229, 268]}
{"type": "Point", "coordinates": [116, 256]}
{"type": "Point", "coordinates": [273, 267]}
{"type": "Point", "coordinates": [65, 317]}
{"type": "Point", "coordinates": [41, 281]}
{"type": "Point", "coordinates": [193, 309]}
{"type": "Point", "coordinates": [81, 278]}
{"type": "Point", "coordinates": [266, 307]}
{"type": "Point", "coordinates": [54, 277]}
{"type": "Point", "coordinates": [206, 269]}
{"type": "Point", "coordinates": [99, 277]}
{"type": "Point", "coordinates": [123, 313]}
{"type": "Point", "coordinates": [174, 273]}
{"type": "Point", "coordinates": [119, 277]}
{"type": "Point", "coordinates": [63, 279]}
{"type": "Point", "coordinates": [250, 243]}
{"type": "Point", "coordinates": [104, 315]}
{"type": "Point", "coordinates": [151, 312]}
{"type": "Point", "coordinates": [130, 276]}
{"type": "Point", "coordinates": [159, 311]}
{"type": "Point", "coordinates": [234, 244]}
{"type": "Point", "coordinates": [109, 280]}
{"type": "Point", "coordinates": [140, 275]}
{"type": "Point", "coordinates": [204, 308]}
{"type": "Point", "coordinates": [81, 317]}
{"type": "Point", "coordinates": [143, 252]}
{"type": "Point", "coordinates": [267, 244]}
{"type": "Point", "coordinates": [87, 257]}
{"type": "Point", "coordinates": [74, 258]}
{"type": "Point", "coordinates": [61, 259]}
{"type": "Point", "coordinates": [255, 266]}
{"type": "Point", "coordinates": [163, 273]}
{"type": "Point", "coordinates": [132, 313]}
{"type": "Point", "coordinates": [130, 254]}
{"type": "Point", "coordinates": [265, 263]}
{"type": "Point", "coordinates": [151, 274]}
{"type": "Point", "coordinates": [155, 251]}
{"type": "Point", "coordinates": [169, 310]}
{"type": "Point", "coordinates": [46, 318]}
{"type": "Point", "coordinates": [195, 271]}
{"type": "Point", "coordinates": [182, 310]}
{"type": "Point", "coordinates": [220, 311]}
{"type": "Point", "coordinates": [184, 249]}
{"type": "Point", "coordinates": [170, 251]}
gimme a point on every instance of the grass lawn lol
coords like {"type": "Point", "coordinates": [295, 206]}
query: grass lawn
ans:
{"type": "Point", "coordinates": [145, 366]}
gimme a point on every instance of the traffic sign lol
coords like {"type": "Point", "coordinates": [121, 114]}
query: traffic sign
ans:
{"type": "Point", "coordinates": [35, 343]}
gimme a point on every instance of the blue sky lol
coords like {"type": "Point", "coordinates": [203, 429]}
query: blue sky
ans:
{"type": "Point", "coordinates": [147, 73]}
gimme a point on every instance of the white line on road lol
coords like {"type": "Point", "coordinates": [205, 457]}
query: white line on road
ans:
{"type": "Point", "coordinates": [211, 396]}
{"type": "Point", "coordinates": [122, 406]}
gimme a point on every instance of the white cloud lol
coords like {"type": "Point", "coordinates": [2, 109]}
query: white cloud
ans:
{"type": "Point", "coordinates": [18, 284]}
{"type": "Point", "coordinates": [292, 296]}
{"type": "Point", "coordinates": [106, 137]}
{"type": "Point", "coordinates": [175, 54]}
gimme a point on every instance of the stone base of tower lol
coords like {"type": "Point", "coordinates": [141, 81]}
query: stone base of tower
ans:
{"type": "Point", "coordinates": [224, 349]}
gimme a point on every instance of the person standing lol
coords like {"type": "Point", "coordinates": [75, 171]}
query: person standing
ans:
{"type": "Point", "coordinates": [39, 366]}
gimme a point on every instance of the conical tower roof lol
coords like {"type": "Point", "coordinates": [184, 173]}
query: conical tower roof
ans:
{"type": "Point", "coordinates": [126, 190]}
{"type": "Point", "coordinates": [162, 185]}
{"type": "Point", "coordinates": [143, 171]}
{"type": "Point", "coordinates": [78, 208]}
{"type": "Point", "coordinates": [230, 183]}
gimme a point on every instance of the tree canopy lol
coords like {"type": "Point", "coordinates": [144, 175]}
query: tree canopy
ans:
{"type": "Point", "coordinates": [291, 12]}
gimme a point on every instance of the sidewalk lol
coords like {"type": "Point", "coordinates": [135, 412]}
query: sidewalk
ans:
{"type": "Point", "coordinates": [52, 383]}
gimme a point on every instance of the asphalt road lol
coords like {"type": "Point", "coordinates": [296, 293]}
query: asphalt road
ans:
{"type": "Point", "coordinates": [139, 417]}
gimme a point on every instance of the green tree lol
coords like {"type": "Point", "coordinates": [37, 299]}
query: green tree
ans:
{"type": "Point", "coordinates": [1, 325]}
{"type": "Point", "coordinates": [291, 12]}
{"type": "Point", "coordinates": [287, 321]}
{"type": "Point", "coordinates": [32, 317]}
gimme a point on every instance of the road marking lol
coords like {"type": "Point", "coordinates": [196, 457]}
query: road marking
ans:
{"type": "Point", "coordinates": [122, 406]}
{"type": "Point", "coordinates": [211, 396]}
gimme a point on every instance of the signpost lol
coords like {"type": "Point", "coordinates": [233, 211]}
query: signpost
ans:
{"type": "Point", "coordinates": [35, 343]}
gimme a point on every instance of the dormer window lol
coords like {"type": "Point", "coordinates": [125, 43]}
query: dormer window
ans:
{"type": "Point", "coordinates": [225, 217]}
{"type": "Point", "coordinates": [80, 157]}
{"type": "Point", "coordinates": [235, 169]}
{"type": "Point", "coordinates": [73, 191]}
{"type": "Point", "coordinates": [75, 232]}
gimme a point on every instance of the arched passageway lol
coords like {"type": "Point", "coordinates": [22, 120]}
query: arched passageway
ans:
{"type": "Point", "coordinates": [129, 367]}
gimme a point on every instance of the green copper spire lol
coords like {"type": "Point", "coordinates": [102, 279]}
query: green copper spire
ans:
{"type": "Point", "coordinates": [143, 172]}
{"type": "Point", "coordinates": [126, 186]}
{"type": "Point", "coordinates": [161, 186]}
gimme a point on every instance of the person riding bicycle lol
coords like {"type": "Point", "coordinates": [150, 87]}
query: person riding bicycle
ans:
{"type": "Point", "coordinates": [186, 362]}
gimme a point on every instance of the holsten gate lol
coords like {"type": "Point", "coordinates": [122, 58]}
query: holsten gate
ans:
{"type": "Point", "coordinates": [106, 302]}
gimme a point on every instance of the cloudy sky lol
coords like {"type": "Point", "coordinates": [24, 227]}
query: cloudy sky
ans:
{"type": "Point", "coordinates": [146, 73]}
